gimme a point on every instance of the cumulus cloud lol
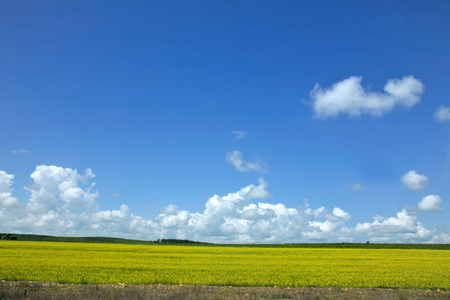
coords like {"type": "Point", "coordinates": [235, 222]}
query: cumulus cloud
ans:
{"type": "Point", "coordinates": [403, 227]}
{"type": "Point", "coordinates": [239, 134]}
{"type": "Point", "coordinates": [356, 187]}
{"type": "Point", "coordinates": [53, 185]}
{"type": "Point", "coordinates": [414, 181]}
{"type": "Point", "coordinates": [55, 195]}
{"type": "Point", "coordinates": [237, 160]}
{"type": "Point", "coordinates": [443, 238]}
{"type": "Point", "coordinates": [119, 222]}
{"type": "Point", "coordinates": [430, 202]}
{"type": "Point", "coordinates": [63, 202]}
{"type": "Point", "coordinates": [349, 97]}
{"type": "Point", "coordinates": [337, 218]}
{"type": "Point", "coordinates": [442, 114]}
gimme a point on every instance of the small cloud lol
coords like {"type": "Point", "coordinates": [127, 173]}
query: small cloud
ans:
{"type": "Point", "coordinates": [442, 114]}
{"type": "Point", "coordinates": [19, 151]}
{"type": "Point", "coordinates": [414, 181]}
{"type": "Point", "coordinates": [379, 218]}
{"type": "Point", "coordinates": [349, 97]}
{"type": "Point", "coordinates": [236, 159]}
{"type": "Point", "coordinates": [115, 195]}
{"type": "Point", "coordinates": [239, 134]}
{"type": "Point", "coordinates": [356, 186]}
{"type": "Point", "coordinates": [430, 202]}
{"type": "Point", "coordinates": [151, 201]}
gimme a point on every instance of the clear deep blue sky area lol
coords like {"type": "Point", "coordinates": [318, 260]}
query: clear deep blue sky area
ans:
{"type": "Point", "coordinates": [226, 121]}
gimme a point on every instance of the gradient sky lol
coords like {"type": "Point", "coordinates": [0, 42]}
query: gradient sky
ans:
{"type": "Point", "coordinates": [226, 121]}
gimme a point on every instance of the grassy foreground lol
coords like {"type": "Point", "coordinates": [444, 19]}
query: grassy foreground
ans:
{"type": "Point", "coordinates": [224, 266]}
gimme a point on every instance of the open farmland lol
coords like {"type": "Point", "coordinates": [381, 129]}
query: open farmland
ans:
{"type": "Point", "coordinates": [224, 266]}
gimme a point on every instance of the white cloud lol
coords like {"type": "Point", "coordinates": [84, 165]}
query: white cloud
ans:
{"type": "Point", "coordinates": [356, 187]}
{"type": "Point", "coordinates": [121, 223]}
{"type": "Point", "coordinates": [6, 199]}
{"type": "Point", "coordinates": [19, 151]}
{"type": "Point", "coordinates": [62, 202]}
{"type": "Point", "coordinates": [430, 202]}
{"type": "Point", "coordinates": [442, 114]}
{"type": "Point", "coordinates": [236, 159]}
{"type": "Point", "coordinates": [239, 134]}
{"type": "Point", "coordinates": [349, 97]}
{"type": "Point", "coordinates": [402, 223]}
{"type": "Point", "coordinates": [443, 238]}
{"type": "Point", "coordinates": [54, 184]}
{"type": "Point", "coordinates": [334, 220]}
{"type": "Point", "coordinates": [402, 228]}
{"type": "Point", "coordinates": [170, 210]}
{"type": "Point", "coordinates": [414, 181]}
{"type": "Point", "coordinates": [339, 214]}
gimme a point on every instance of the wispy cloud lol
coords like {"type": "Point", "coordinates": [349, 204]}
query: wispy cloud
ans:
{"type": "Point", "coordinates": [349, 97]}
{"type": "Point", "coordinates": [442, 114]}
{"type": "Point", "coordinates": [356, 187]}
{"type": "Point", "coordinates": [151, 201]}
{"type": "Point", "coordinates": [414, 181]}
{"type": "Point", "coordinates": [19, 151]}
{"type": "Point", "coordinates": [236, 159]}
{"type": "Point", "coordinates": [239, 134]}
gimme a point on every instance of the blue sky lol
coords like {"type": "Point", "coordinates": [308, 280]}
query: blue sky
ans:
{"type": "Point", "coordinates": [226, 121]}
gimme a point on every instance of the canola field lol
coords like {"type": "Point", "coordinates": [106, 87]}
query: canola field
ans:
{"type": "Point", "coordinates": [224, 266]}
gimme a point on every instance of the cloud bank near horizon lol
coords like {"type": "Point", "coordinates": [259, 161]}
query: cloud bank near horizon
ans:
{"type": "Point", "coordinates": [63, 202]}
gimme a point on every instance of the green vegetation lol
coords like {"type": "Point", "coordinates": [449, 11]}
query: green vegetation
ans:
{"type": "Point", "coordinates": [48, 238]}
{"type": "Point", "coordinates": [110, 240]}
{"type": "Point", "coordinates": [8, 236]}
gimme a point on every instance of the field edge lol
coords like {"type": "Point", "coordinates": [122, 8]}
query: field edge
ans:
{"type": "Point", "coordinates": [51, 290]}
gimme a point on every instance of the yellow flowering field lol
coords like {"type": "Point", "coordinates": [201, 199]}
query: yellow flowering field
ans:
{"type": "Point", "coordinates": [225, 266]}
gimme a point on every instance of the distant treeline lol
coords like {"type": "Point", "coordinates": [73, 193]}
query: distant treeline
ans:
{"type": "Point", "coordinates": [99, 239]}
{"type": "Point", "coordinates": [177, 241]}
{"type": "Point", "coordinates": [96, 239]}
{"type": "Point", "coordinates": [8, 236]}
{"type": "Point", "coordinates": [49, 238]}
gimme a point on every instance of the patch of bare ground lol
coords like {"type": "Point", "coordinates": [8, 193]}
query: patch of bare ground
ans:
{"type": "Point", "coordinates": [49, 290]}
